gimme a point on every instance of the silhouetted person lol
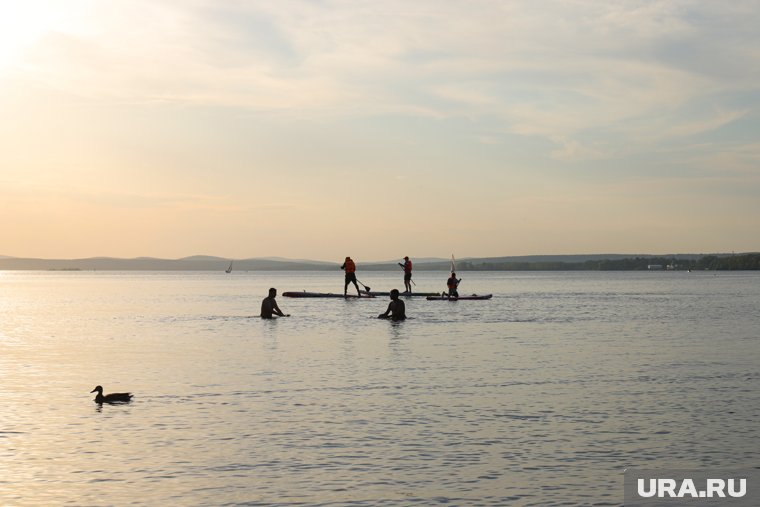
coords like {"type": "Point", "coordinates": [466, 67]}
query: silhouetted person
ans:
{"type": "Point", "coordinates": [407, 265]}
{"type": "Point", "coordinates": [396, 308]}
{"type": "Point", "coordinates": [453, 284]}
{"type": "Point", "coordinates": [269, 306]}
{"type": "Point", "coordinates": [350, 267]}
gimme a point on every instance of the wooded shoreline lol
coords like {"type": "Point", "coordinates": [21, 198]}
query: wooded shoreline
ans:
{"type": "Point", "coordinates": [613, 262]}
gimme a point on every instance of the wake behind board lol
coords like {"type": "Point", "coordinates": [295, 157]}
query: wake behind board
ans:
{"type": "Point", "coordinates": [305, 294]}
{"type": "Point", "coordinates": [473, 297]}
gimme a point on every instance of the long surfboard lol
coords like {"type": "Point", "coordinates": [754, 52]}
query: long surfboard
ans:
{"type": "Point", "coordinates": [406, 294]}
{"type": "Point", "coordinates": [473, 297]}
{"type": "Point", "coordinates": [305, 294]}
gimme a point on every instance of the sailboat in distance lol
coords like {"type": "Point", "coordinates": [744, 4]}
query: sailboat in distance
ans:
{"type": "Point", "coordinates": [229, 269]}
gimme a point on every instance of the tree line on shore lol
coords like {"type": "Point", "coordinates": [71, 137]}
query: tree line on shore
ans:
{"type": "Point", "coordinates": [597, 262]}
{"type": "Point", "coordinates": [749, 261]}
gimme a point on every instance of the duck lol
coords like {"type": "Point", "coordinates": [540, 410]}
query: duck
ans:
{"type": "Point", "coordinates": [110, 398]}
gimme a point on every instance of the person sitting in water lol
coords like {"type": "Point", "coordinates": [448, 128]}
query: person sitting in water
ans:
{"type": "Point", "coordinates": [407, 265]}
{"type": "Point", "coordinates": [350, 267]}
{"type": "Point", "coordinates": [269, 306]}
{"type": "Point", "coordinates": [452, 283]}
{"type": "Point", "coordinates": [396, 308]}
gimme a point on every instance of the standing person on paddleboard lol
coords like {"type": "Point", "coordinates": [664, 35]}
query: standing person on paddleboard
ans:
{"type": "Point", "coordinates": [407, 265]}
{"type": "Point", "coordinates": [269, 306]}
{"type": "Point", "coordinates": [396, 308]}
{"type": "Point", "coordinates": [350, 267]}
{"type": "Point", "coordinates": [453, 284]}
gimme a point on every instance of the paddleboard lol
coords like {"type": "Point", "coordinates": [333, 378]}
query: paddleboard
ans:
{"type": "Point", "coordinates": [472, 297]}
{"type": "Point", "coordinates": [406, 294]}
{"type": "Point", "coordinates": [305, 294]}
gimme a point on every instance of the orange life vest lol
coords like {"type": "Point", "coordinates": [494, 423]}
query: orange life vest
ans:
{"type": "Point", "coordinates": [350, 266]}
{"type": "Point", "coordinates": [452, 283]}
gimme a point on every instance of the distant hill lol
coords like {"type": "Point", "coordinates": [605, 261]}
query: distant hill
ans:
{"type": "Point", "coordinates": [204, 258]}
{"type": "Point", "coordinates": [193, 263]}
{"type": "Point", "coordinates": [212, 263]}
{"type": "Point", "coordinates": [527, 261]}
{"type": "Point", "coordinates": [576, 258]}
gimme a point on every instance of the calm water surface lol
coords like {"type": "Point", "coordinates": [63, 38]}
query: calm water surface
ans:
{"type": "Point", "coordinates": [541, 396]}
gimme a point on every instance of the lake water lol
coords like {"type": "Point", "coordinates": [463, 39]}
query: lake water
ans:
{"type": "Point", "coordinates": [541, 396]}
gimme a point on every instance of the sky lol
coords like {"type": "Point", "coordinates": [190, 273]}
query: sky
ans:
{"type": "Point", "coordinates": [324, 128]}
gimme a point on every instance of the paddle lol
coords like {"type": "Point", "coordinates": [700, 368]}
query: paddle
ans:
{"type": "Point", "coordinates": [366, 288]}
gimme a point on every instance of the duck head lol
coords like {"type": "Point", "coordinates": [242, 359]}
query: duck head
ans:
{"type": "Point", "coordinates": [98, 389]}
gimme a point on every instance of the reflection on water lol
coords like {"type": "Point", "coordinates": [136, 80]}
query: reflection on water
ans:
{"type": "Point", "coordinates": [540, 396]}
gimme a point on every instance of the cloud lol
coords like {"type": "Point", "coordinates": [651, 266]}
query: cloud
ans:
{"type": "Point", "coordinates": [710, 121]}
{"type": "Point", "coordinates": [556, 70]}
{"type": "Point", "coordinates": [108, 199]}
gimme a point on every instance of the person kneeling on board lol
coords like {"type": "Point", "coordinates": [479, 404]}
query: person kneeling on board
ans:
{"type": "Point", "coordinates": [396, 308]}
{"type": "Point", "coordinates": [453, 284]}
{"type": "Point", "coordinates": [269, 306]}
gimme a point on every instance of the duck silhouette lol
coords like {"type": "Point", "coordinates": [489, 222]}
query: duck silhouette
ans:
{"type": "Point", "coordinates": [110, 398]}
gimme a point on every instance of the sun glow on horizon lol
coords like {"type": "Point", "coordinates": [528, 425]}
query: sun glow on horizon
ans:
{"type": "Point", "coordinates": [24, 23]}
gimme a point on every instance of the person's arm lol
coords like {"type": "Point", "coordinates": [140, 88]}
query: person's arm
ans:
{"type": "Point", "coordinates": [387, 312]}
{"type": "Point", "coordinates": [277, 310]}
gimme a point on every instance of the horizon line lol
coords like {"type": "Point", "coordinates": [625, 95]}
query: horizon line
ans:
{"type": "Point", "coordinates": [201, 257]}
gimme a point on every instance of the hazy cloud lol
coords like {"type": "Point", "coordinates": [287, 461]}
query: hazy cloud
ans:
{"type": "Point", "coordinates": [551, 69]}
